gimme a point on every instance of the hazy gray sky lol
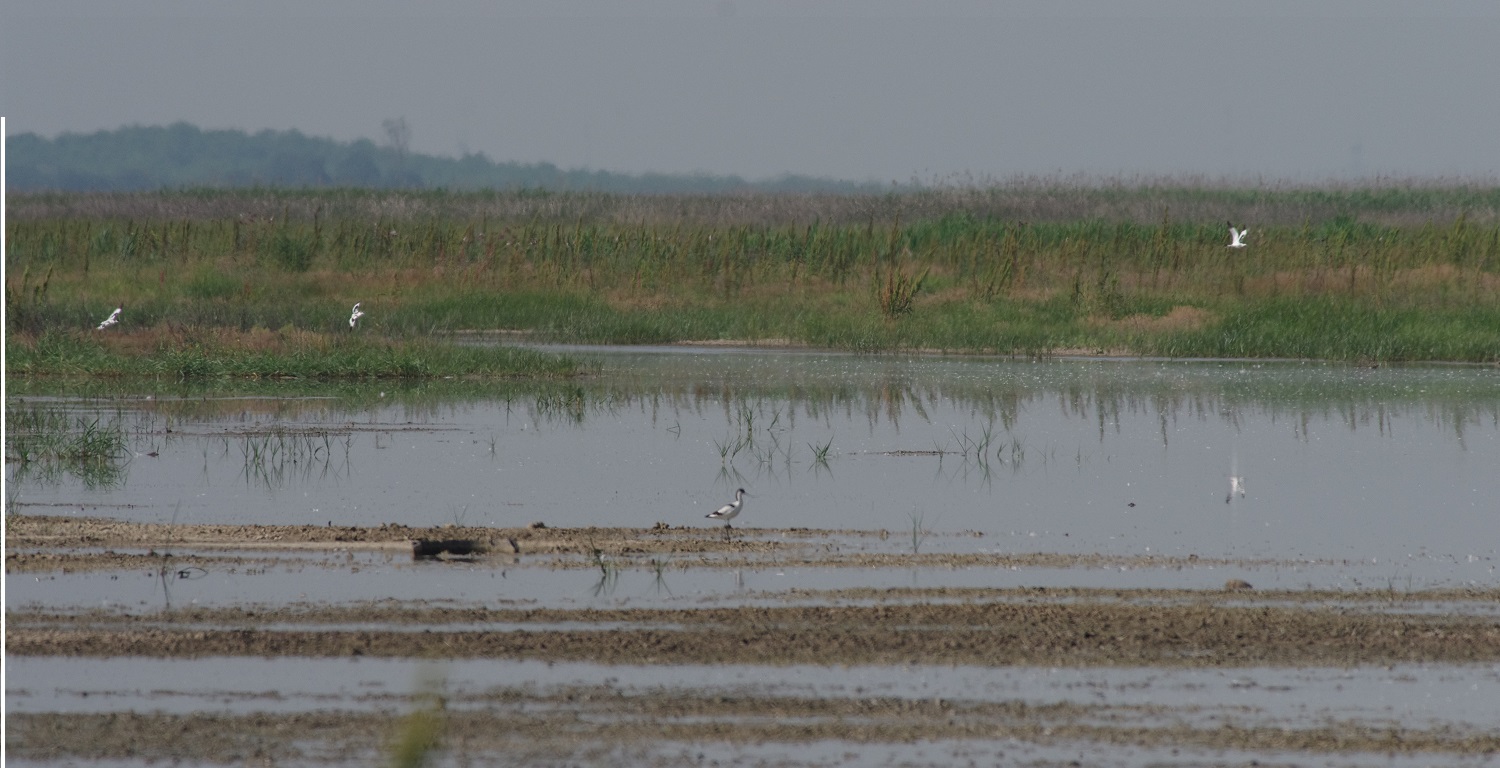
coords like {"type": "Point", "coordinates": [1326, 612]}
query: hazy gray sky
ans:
{"type": "Point", "coordinates": [881, 89]}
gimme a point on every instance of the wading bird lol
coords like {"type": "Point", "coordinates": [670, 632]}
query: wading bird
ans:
{"type": "Point", "coordinates": [1237, 236]}
{"type": "Point", "coordinates": [114, 318]}
{"type": "Point", "coordinates": [356, 315]}
{"type": "Point", "coordinates": [729, 511]}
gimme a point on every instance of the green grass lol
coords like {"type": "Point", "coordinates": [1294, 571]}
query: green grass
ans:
{"type": "Point", "coordinates": [1384, 273]}
{"type": "Point", "coordinates": [1340, 328]}
{"type": "Point", "coordinates": [267, 355]}
{"type": "Point", "coordinates": [50, 442]}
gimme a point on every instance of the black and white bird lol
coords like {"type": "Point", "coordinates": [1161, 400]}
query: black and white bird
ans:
{"type": "Point", "coordinates": [1237, 236]}
{"type": "Point", "coordinates": [729, 511]}
{"type": "Point", "coordinates": [113, 319]}
{"type": "Point", "coordinates": [355, 315]}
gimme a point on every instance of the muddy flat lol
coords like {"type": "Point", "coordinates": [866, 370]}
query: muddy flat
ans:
{"type": "Point", "coordinates": [1222, 631]}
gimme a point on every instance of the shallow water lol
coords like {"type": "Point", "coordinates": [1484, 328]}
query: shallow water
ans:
{"type": "Point", "coordinates": [1408, 696]}
{"type": "Point", "coordinates": [1416, 695]}
{"type": "Point", "coordinates": [1356, 480]}
{"type": "Point", "coordinates": [340, 578]}
{"type": "Point", "coordinates": [1392, 470]}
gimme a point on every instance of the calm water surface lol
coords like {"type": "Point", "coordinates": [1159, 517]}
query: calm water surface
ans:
{"type": "Point", "coordinates": [1395, 464]}
{"type": "Point", "coordinates": [1354, 478]}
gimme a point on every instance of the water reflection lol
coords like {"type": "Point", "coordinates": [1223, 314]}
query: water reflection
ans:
{"type": "Point", "coordinates": [1100, 456]}
{"type": "Point", "coordinates": [276, 457]}
{"type": "Point", "coordinates": [783, 389]}
{"type": "Point", "coordinates": [166, 574]}
{"type": "Point", "coordinates": [49, 442]}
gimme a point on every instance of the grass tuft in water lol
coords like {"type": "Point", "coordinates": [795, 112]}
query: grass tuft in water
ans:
{"type": "Point", "coordinates": [919, 529]}
{"type": "Point", "coordinates": [272, 458]}
{"type": "Point", "coordinates": [820, 453]}
{"type": "Point", "coordinates": [50, 442]}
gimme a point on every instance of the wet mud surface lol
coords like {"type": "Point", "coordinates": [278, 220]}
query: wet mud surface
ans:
{"type": "Point", "coordinates": [1041, 633]}
{"type": "Point", "coordinates": [1229, 628]}
{"type": "Point", "coordinates": [605, 726]}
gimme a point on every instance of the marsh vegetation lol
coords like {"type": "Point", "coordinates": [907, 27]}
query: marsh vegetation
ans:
{"type": "Point", "coordinates": [1385, 273]}
{"type": "Point", "coordinates": [48, 443]}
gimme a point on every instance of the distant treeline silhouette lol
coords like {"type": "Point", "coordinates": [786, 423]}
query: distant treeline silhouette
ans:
{"type": "Point", "coordinates": [181, 155]}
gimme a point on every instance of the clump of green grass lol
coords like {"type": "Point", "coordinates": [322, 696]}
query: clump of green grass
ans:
{"type": "Point", "coordinates": [212, 283]}
{"type": "Point", "coordinates": [975, 448]}
{"type": "Point", "coordinates": [198, 354]}
{"type": "Point", "coordinates": [729, 447]}
{"type": "Point", "coordinates": [820, 453]}
{"type": "Point", "coordinates": [51, 441]}
{"type": "Point", "coordinates": [271, 458]}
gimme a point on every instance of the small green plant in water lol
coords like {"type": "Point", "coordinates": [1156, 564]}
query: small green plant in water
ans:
{"type": "Point", "coordinates": [976, 448]}
{"type": "Point", "coordinates": [273, 457]}
{"type": "Point", "coordinates": [730, 447]}
{"type": "Point", "coordinates": [919, 529]}
{"type": "Point", "coordinates": [820, 453]}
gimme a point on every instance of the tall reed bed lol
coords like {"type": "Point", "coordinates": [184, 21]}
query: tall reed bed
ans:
{"type": "Point", "coordinates": [1141, 200]}
{"type": "Point", "coordinates": [1027, 269]}
{"type": "Point", "coordinates": [229, 261]}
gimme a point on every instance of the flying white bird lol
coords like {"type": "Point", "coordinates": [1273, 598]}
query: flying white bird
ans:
{"type": "Point", "coordinates": [729, 511]}
{"type": "Point", "coordinates": [1237, 236]}
{"type": "Point", "coordinates": [113, 319]}
{"type": "Point", "coordinates": [356, 315]}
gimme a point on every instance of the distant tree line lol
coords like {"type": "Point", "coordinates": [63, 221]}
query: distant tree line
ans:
{"type": "Point", "coordinates": [181, 155]}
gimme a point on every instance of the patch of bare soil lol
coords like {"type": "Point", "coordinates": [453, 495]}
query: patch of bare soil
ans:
{"type": "Point", "coordinates": [1180, 318]}
{"type": "Point", "coordinates": [1042, 633]}
{"type": "Point", "coordinates": [37, 542]}
{"type": "Point", "coordinates": [73, 562]}
{"type": "Point", "coordinates": [57, 532]}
